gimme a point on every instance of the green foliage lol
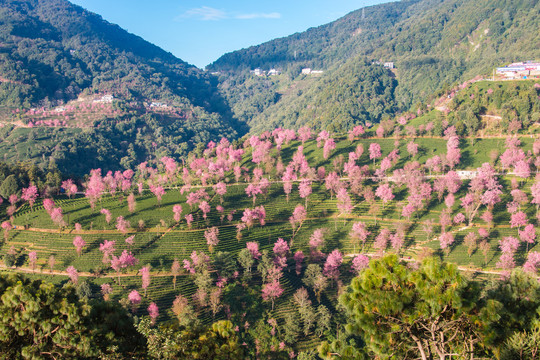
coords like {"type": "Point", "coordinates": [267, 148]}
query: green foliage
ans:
{"type": "Point", "coordinates": [219, 341]}
{"type": "Point", "coordinates": [433, 44]}
{"type": "Point", "coordinates": [354, 93]}
{"type": "Point", "coordinates": [399, 311]}
{"type": "Point", "coordinates": [511, 309]}
{"type": "Point", "coordinates": [9, 186]}
{"type": "Point", "coordinates": [523, 345]}
{"type": "Point", "coordinates": [40, 320]}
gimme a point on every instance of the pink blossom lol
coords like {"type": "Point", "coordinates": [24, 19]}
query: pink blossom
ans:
{"type": "Point", "coordinates": [374, 151]}
{"type": "Point", "coordinates": [153, 312]}
{"type": "Point", "coordinates": [446, 240]}
{"type": "Point", "coordinates": [122, 225]}
{"type": "Point", "coordinates": [316, 239]}
{"type": "Point", "coordinates": [73, 274]}
{"type": "Point", "coordinates": [528, 234]}
{"type": "Point", "coordinates": [211, 236]}
{"type": "Point", "coordinates": [281, 248]}
{"type": "Point", "coordinates": [360, 262]}
{"type": "Point", "coordinates": [253, 248]}
{"type": "Point", "coordinates": [518, 219]}
{"type": "Point", "coordinates": [459, 219]}
{"type": "Point", "coordinates": [79, 243]}
{"type": "Point", "coordinates": [30, 194]}
{"type": "Point", "coordinates": [331, 266]}
{"type": "Point", "coordinates": [298, 258]}
{"type": "Point", "coordinates": [384, 192]}
{"type": "Point", "coordinates": [108, 216]}
{"type": "Point", "coordinates": [533, 262]}
{"type": "Point", "coordinates": [134, 298]}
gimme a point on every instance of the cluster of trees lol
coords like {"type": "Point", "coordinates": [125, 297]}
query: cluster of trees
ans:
{"type": "Point", "coordinates": [354, 93]}
{"type": "Point", "coordinates": [415, 35]}
{"type": "Point", "coordinates": [366, 175]}
{"type": "Point", "coordinates": [392, 309]}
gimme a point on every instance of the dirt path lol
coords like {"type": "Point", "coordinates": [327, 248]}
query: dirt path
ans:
{"type": "Point", "coordinates": [42, 271]}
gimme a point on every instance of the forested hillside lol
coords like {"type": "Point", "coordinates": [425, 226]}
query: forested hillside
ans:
{"type": "Point", "coordinates": [57, 61]}
{"type": "Point", "coordinates": [433, 45]}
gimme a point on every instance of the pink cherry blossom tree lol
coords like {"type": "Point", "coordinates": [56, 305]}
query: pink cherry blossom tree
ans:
{"type": "Point", "coordinates": [32, 260]}
{"type": "Point", "coordinates": [73, 274]}
{"type": "Point", "coordinates": [359, 263]}
{"type": "Point", "coordinates": [211, 236]}
{"type": "Point", "coordinates": [132, 204]}
{"type": "Point", "coordinates": [107, 248]}
{"type": "Point", "coordinates": [145, 277]}
{"type": "Point", "coordinates": [271, 291]}
{"type": "Point", "coordinates": [135, 299]}
{"type": "Point", "coordinates": [30, 194]}
{"type": "Point", "coordinates": [331, 266]}
{"type": "Point", "coordinates": [359, 234]}
{"type": "Point", "coordinates": [153, 311]}
{"type": "Point", "coordinates": [108, 215]}
{"type": "Point", "coordinates": [79, 243]}
{"type": "Point", "coordinates": [374, 151]}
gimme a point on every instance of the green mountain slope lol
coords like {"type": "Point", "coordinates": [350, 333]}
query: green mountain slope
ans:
{"type": "Point", "coordinates": [57, 57]}
{"type": "Point", "coordinates": [432, 43]}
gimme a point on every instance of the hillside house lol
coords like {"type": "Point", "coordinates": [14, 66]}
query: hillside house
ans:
{"type": "Point", "coordinates": [520, 70]}
{"type": "Point", "coordinates": [106, 99]}
{"type": "Point", "coordinates": [273, 72]}
{"type": "Point", "coordinates": [257, 72]}
{"type": "Point", "coordinates": [388, 65]}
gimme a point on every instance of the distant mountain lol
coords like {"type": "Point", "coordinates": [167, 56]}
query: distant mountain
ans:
{"type": "Point", "coordinates": [54, 54]}
{"type": "Point", "coordinates": [432, 44]}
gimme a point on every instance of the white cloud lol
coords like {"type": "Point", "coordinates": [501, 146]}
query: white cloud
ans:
{"type": "Point", "coordinates": [207, 13]}
{"type": "Point", "coordinates": [273, 15]}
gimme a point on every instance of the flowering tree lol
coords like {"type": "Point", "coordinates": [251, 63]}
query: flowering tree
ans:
{"type": "Point", "coordinates": [305, 190]}
{"type": "Point", "coordinates": [533, 262]}
{"type": "Point", "coordinates": [374, 151]}
{"type": "Point", "coordinates": [528, 234]}
{"type": "Point", "coordinates": [508, 246]}
{"type": "Point", "coordinates": [79, 243]}
{"type": "Point", "coordinates": [297, 219]}
{"type": "Point", "coordinates": [253, 248]}
{"type": "Point", "coordinates": [359, 233]}
{"type": "Point", "coordinates": [211, 236]}
{"type": "Point", "coordinates": [145, 277]}
{"type": "Point", "coordinates": [107, 248]}
{"type": "Point", "coordinates": [122, 225]}
{"type": "Point", "coordinates": [132, 204]}
{"type": "Point", "coordinates": [220, 189]}
{"type": "Point", "coordinates": [271, 291]}
{"type": "Point", "coordinates": [384, 192]}
{"type": "Point", "coordinates": [175, 271]}
{"type": "Point", "coordinates": [108, 215]}
{"type": "Point", "coordinates": [298, 258]}
{"type": "Point", "coordinates": [32, 260]}
{"type": "Point", "coordinates": [331, 266]}
{"type": "Point", "coordinates": [106, 291]}
{"type": "Point", "coordinates": [30, 194]}
{"type": "Point", "coordinates": [153, 311]}
{"type": "Point", "coordinates": [73, 274]}
{"type": "Point", "coordinates": [6, 225]}
{"type": "Point", "coordinates": [135, 299]}
{"type": "Point", "coordinates": [177, 210]}
{"type": "Point", "coordinates": [359, 263]}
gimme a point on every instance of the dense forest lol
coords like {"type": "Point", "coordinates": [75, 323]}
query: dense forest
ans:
{"type": "Point", "coordinates": [433, 45]}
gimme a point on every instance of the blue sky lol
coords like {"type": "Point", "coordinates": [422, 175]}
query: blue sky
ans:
{"type": "Point", "coordinates": [200, 31]}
